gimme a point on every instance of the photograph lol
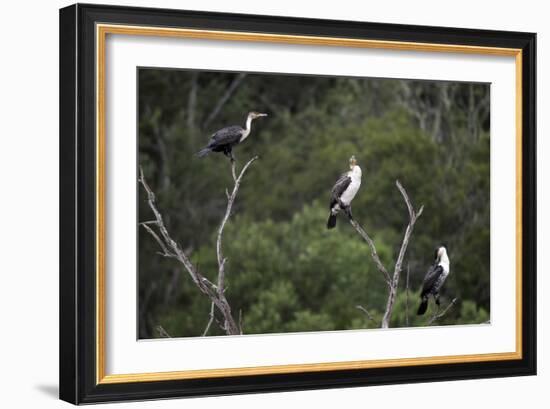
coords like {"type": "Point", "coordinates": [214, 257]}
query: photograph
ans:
{"type": "Point", "coordinates": [284, 203]}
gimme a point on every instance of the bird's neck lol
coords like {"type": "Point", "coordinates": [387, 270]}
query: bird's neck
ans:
{"type": "Point", "coordinates": [247, 128]}
{"type": "Point", "coordinates": [444, 260]}
{"type": "Point", "coordinates": [355, 173]}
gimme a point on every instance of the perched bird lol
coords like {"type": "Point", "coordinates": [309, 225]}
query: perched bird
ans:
{"type": "Point", "coordinates": [434, 279]}
{"type": "Point", "coordinates": [344, 191]}
{"type": "Point", "coordinates": [226, 138]}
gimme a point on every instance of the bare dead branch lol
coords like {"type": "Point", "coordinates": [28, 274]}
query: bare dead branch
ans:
{"type": "Point", "coordinates": [168, 241]}
{"type": "Point", "coordinates": [149, 222]}
{"type": "Point", "coordinates": [216, 293]}
{"type": "Point", "coordinates": [230, 325]}
{"type": "Point", "coordinates": [234, 174]}
{"type": "Point", "coordinates": [230, 201]}
{"type": "Point", "coordinates": [210, 320]}
{"type": "Point", "coordinates": [367, 313]}
{"type": "Point", "coordinates": [393, 281]}
{"type": "Point", "coordinates": [413, 216]}
{"type": "Point", "coordinates": [440, 315]}
{"type": "Point", "coordinates": [373, 252]}
{"type": "Point", "coordinates": [162, 332]}
{"type": "Point", "coordinates": [165, 251]}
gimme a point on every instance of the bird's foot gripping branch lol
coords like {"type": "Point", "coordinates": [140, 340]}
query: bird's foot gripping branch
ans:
{"type": "Point", "coordinates": [215, 291]}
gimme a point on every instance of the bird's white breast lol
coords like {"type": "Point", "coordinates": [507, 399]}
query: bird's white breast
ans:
{"type": "Point", "coordinates": [446, 267]}
{"type": "Point", "coordinates": [352, 189]}
{"type": "Point", "coordinates": [444, 262]}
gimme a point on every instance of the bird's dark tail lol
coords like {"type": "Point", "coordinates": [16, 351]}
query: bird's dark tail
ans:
{"type": "Point", "coordinates": [422, 307]}
{"type": "Point", "coordinates": [204, 152]}
{"type": "Point", "coordinates": [331, 223]}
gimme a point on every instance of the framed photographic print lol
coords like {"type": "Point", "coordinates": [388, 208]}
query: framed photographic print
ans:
{"type": "Point", "coordinates": [257, 203]}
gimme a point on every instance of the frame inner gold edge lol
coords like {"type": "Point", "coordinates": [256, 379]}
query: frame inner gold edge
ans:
{"type": "Point", "coordinates": [296, 368]}
{"type": "Point", "coordinates": [103, 29]}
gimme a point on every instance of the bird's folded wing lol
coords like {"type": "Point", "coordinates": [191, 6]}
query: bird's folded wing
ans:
{"type": "Point", "coordinates": [431, 277]}
{"type": "Point", "coordinates": [340, 186]}
{"type": "Point", "coordinates": [231, 134]}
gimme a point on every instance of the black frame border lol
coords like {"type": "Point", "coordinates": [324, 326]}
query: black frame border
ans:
{"type": "Point", "coordinates": [77, 314]}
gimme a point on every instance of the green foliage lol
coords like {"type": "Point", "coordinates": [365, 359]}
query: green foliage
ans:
{"type": "Point", "coordinates": [285, 271]}
{"type": "Point", "coordinates": [471, 313]}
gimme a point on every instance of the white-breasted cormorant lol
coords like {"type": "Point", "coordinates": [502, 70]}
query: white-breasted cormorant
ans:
{"type": "Point", "coordinates": [226, 138]}
{"type": "Point", "coordinates": [344, 191]}
{"type": "Point", "coordinates": [434, 279]}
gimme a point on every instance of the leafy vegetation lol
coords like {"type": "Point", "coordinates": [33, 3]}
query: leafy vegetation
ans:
{"type": "Point", "coordinates": [285, 271]}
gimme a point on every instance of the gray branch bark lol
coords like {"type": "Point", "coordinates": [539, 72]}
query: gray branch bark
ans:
{"type": "Point", "coordinates": [367, 313]}
{"type": "Point", "coordinates": [391, 281]}
{"type": "Point", "coordinates": [162, 332]}
{"type": "Point", "coordinates": [373, 252]}
{"type": "Point", "coordinates": [413, 216]}
{"type": "Point", "coordinates": [440, 315]}
{"type": "Point", "coordinates": [210, 320]}
{"type": "Point", "coordinates": [171, 249]}
{"type": "Point", "coordinates": [219, 250]}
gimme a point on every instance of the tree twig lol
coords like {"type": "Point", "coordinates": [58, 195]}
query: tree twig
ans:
{"type": "Point", "coordinates": [210, 321]}
{"type": "Point", "coordinates": [157, 238]}
{"type": "Point", "coordinates": [413, 216]}
{"type": "Point", "coordinates": [393, 281]}
{"type": "Point", "coordinates": [370, 242]}
{"type": "Point", "coordinates": [230, 201]}
{"type": "Point", "coordinates": [367, 313]}
{"type": "Point", "coordinates": [219, 251]}
{"type": "Point", "coordinates": [216, 293]}
{"type": "Point", "coordinates": [437, 316]}
{"type": "Point", "coordinates": [234, 174]}
{"type": "Point", "coordinates": [162, 332]}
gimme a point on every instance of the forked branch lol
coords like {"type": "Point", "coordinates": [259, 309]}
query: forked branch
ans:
{"type": "Point", "coordinates": [169, 247]}
{"type": "Point", "coordinates": [391, 281]}
{"type": "Point", "coordinates": [439, 315]}
{"type": "Point", "coordinates": [413, 216]}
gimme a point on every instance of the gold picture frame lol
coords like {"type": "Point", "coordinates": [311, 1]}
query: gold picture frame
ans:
{"type": "Point", "coordinates": [104, 22]}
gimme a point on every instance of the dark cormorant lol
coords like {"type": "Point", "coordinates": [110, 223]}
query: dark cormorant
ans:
{"type": "Point", "coordinates": [226, 138]}
{"type": "Point", "coordinates": [434, 279]}
{"type": "Point", "coordinates": [344, 191]}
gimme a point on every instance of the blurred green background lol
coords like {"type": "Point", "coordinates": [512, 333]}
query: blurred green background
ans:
{"type": "Point", "coordinates": [286, 272]}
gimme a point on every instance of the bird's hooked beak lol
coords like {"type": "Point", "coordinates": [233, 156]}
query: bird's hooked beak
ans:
{"type": "Point", "coordinates": [254, 115]}
{"type": "Point", "coordinates": [352, 162]}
